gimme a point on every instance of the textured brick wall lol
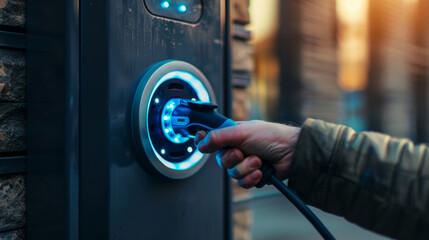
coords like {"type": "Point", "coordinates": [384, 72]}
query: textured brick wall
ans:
{"type": "Point", "coordinates": [12, 14]}
{"type": "Point", "coordinates": [241, 71]}
{"type": "Point", "coordinates": [12, 122]}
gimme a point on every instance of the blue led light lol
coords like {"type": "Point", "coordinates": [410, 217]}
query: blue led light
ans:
{"type": "Point", "coordinates": [203, 95]}
{"type": "Point", "coordinates": [165, 4]}
{"type": "Point", "coordinates": [182, 8]}
{"type": "Point", "coordinates": [166, 123]}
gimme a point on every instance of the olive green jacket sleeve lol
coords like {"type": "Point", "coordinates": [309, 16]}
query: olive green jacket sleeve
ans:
{"type": "Point", "coordinates": [376, 181]}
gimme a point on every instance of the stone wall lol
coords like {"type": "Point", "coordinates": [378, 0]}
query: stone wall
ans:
{"type": "Point", "coordinates": [12, 120]}
{"type": "Point", "coordinates": [242, 67]}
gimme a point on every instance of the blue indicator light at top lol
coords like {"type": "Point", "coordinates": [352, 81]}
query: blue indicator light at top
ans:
{"type": "Point", "coordinates": [182, 8]}
{"type": "Point", "coordinates": [165, 4]}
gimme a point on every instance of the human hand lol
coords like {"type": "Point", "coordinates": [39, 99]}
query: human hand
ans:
{"type": "Point", "coordinates": [246, 145]}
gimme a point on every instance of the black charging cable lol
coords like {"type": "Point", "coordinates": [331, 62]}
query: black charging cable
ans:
{"type": "Point", "coordinates": [268, 177]}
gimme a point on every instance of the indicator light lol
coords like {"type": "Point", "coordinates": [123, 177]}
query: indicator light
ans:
{"type": "Point", "coordinates": [162, 151]}
{"type": "Point", "coordinates": [165, 4]}
{"type": "Point", "coordinates": [190, 149]}
{"type": "Point", "coordinates": [182, 8]}
{"type": "Point", "coordinates": [193, 99]}
{"type": "Point", "coordinates": [156, 100]}
{"type": "Point", "coordinates": [165, 118]}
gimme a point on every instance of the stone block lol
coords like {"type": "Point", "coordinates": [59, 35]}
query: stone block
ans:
{"type": "Point", "coordinates": [13, 235]}
{"type": "Point", "coordinates": [12, 127]}
{"type": "Point", "coordinates": [240, 12]}
{"type": "Point", "coordinates": [240, 104]}
{"type": "Point", "coordinates": [241, 56]}
{"type": "Point", "coordinates": [12, 75]}
{"type": "Point", "coordinates": [12, 202]}
{"type": "Point", "coordinates": [12, 13]}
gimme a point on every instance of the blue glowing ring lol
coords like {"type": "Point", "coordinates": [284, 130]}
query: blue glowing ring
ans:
{"type": "Point", "coordinates": [153, 160]}
{"type": "Point", "coordinates": [203, 95]}
{"type": "Point", "coordinates": [167, 128]}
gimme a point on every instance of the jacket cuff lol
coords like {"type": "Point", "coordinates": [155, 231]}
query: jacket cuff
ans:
{"type": "Point", "coordinates": [313, 160]}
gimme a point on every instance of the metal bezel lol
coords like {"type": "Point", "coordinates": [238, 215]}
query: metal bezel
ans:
{"type": "Point", "coordinates": [142, 99]}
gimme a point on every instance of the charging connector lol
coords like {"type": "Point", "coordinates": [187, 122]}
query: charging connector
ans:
{"type": "Point", "coordinates": [184, 118]}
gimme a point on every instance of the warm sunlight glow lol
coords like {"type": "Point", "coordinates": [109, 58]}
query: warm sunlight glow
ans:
{"type": "Point", "coordinates": [411, 1]}
{"type": "Point", "coordinates": [353, 43]}
{"type": "Point", "coordinates": [263, 19]}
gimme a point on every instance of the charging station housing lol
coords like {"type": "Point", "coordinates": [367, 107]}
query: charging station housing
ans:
{"type": "Point", "coordinates": [85, 176]}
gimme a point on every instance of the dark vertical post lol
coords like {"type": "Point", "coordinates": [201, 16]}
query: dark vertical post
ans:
{"type": "Point", "coordinates": [52, 119]}
{"type": "Point", "coordinates": [374, 103]}
{"type": "Point", "coordinates": [418, 66]}
{"type": "Point", "coordinates": [227, 23]}
{"type": "Point", "coordinates": [94, 168]}
{"type": "Point", "coordinates": [288, 45]}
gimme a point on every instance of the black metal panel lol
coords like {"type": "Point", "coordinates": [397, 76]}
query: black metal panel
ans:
{"type": "Point", "coordinates": [226, 21]}
{"type": "Point", "coordinates": [52, 119]}
{"type": "Point", "coordinates": [118, 199]}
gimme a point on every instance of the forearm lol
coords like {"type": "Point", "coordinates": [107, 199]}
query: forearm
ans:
{"type": "Point", "coordinates": [371, 179]}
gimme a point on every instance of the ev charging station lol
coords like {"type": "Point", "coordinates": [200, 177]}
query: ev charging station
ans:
{"type": "Point", "coordinates": [114, 168]}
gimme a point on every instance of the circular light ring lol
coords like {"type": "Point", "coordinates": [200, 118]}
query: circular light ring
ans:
{"type": "Point", "coordinates": [167, 127]}
{"type": "Point", "coordinates": [150, 82]}
{"type": "Point", "coordinates": [202, 94]}
{"type": "Point", "coordinates": [195, 83]}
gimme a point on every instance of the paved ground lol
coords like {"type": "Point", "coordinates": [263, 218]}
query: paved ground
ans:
{"type": "Point", "coordinates": [276, 219]}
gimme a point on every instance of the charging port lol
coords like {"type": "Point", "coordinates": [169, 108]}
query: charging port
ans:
{"type": "Point", "coordinates": [179, 121]}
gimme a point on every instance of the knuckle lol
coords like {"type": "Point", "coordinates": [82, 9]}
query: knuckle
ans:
{"type": "Point", "coordinates": [243, 183]}
{"type": "Point", "coordinates": [211, 138]}
{"type": "Point", "coordinates": [230, 158]}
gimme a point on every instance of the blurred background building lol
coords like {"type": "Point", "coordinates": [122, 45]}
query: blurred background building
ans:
{"type": "Point", "coordinates": [362, 63]}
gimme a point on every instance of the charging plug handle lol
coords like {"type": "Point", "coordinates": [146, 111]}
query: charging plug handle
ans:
{"type": "Point", "coordinates": [192, 116]}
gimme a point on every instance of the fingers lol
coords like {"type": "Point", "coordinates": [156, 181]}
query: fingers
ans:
{"type": "Point", "coordinates": [229, 158]}
{"type": "Point", "coordinates": [250, 180]}
{"type": "Point", "coordinates": [220, 138]}
{"type": "Point", "coordinates": [246, 167]}
{"type": "Point", "coordinates": [246, 170]}
{"type": "Point", "coordinates": [200, 136]}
